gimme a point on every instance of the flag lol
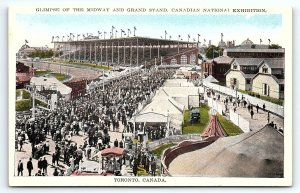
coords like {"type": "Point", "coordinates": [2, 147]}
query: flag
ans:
{"type": "Point", "coordinates": [222, 34]}
{"type": "Point", "coordinates": [199, 35]}
{"type": "Point", "coordinates": [26, 41]}
{"type": "Point", "coordinates": [134, 28]}
{"type": "Point", "coordinates": [165, 32]}
{"type": "Point", "coordinates": [189, 36]}
{"type": "Point", "coordinates": [260, 40]}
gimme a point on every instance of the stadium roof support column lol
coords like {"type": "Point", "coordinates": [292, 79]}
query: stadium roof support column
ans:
{"type": "Point", "coordinates": [150, 51]}
{"type": "Point", "coordinates": [90, 52]}
{"type": "Point", "coordinates": [69, 51]}
{"type": "Point", "coordinates": [75, 52]}
{"type": "Point", "coordinates": [137, 52]}
{"type": "Point", "coordinates": [118, 53]}
{"type": "Point", "coordinates": [124, 60]}
{"type": "Point", "coordinates": [64, 52]}
{"type": "Point", "coordinates": [112, 53]}
{"type": "Point", "coordinates": [130, 53]}
{"type": "Point", "coordinates": [158, 50]}
{"type": "Point", "coordinates": [79, 52]}
{"type": "Point", "coordinates": [101, 53]}
{"type": "Point", "coordinates": [84, 51]}
{"type": "Point", "coordinates": [95, 53]}
{"type": "Point", "coordinates": [106, 58]}
{"type": "Point", "coordinates": [144, 50]}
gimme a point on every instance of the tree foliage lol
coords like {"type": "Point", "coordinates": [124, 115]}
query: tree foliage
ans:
{"type": "Point", "coordinates": [274, 46]}
{"type": "Point", "coordinates": [213, 52]}
{"type": "Point", "coordinates": [42, 54]}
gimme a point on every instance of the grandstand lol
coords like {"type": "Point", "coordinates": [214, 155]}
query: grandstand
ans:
{"type": "Point", "coordinates": [128, 51]}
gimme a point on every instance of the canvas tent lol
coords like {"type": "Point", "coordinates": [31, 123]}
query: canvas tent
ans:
{"type": "Point", "coordinates": [167, 107]}
{"type": "Point", "coordinates": [150, 117]}
{"type": "Point", "coordinates": [214, 129]}
{"type": "Point", "coordinates": [51, 83]}
{"type": "Point", "coordinates": [211, 79]}
{"type": "Point", "coordinates": [253, 154]}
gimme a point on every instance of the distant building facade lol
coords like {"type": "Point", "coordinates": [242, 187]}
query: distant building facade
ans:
{"type": "Point", "coordinates": [249, 67]}
{"type": "Point", "coordinates": [216, 67]}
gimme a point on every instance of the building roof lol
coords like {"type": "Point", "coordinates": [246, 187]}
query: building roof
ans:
{"type": "Point", "coordinates": [275, 62]}
{"type": "Point", "coordinates": [248, 61]}
{"type": "Point", "coordinates": [248, 75]}
{"type": "Point", "coordinates": [50, 82]}
{"type": "Point", "coordinates": [222, 60]}
{"type": "Point", "coordinates": [210, 78]}
{"type": "Point", "coordinates": [238, 49]}
{"type": "Point", "coordinates": [150, 117]}
{"type": "Point", "coordinates": [247, 42]}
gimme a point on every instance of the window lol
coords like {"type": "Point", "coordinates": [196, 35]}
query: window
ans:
{"type": "Point", "coordinates": [173, 61]}
{"type": "Point", "coordinates": [235, 66]}
{"type": "Point", "coordinates": [265, 89]}
{"type": "Point", "coordinates": [265, 70]}
{"type": "Point", "coordinates": [248, 81]}
{"type": "Point", "coordinates": [281, 87]}
{"type": "Point", "coordinates": [183, 59]}
{"type": "Point", "coordinates": [193, 59]}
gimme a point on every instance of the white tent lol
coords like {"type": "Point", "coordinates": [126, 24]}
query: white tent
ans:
{"type": "Point", "coordinates": [51, 83]}
{"type": "Point", "coordinates": [210, 78]}
{"type": "Point", "coordinates": [150, 117]}
{"type": "Point", "coordinates": [168, 107]}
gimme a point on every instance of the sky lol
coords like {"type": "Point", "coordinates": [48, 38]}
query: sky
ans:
{"type": "Point", "coordinates": [38, 29]}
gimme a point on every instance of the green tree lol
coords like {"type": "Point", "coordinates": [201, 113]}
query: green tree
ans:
{"type": "Point", "coordinates": [274, 46]}
{"type": "Point", "coordinates": [213, 52]}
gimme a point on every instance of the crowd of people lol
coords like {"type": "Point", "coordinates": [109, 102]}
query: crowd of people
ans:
{"type": "Point", "coordinates": [95, 114]}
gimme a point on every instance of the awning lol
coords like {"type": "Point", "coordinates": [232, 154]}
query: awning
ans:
{"type": "Point", "coordinates": [114, 151]}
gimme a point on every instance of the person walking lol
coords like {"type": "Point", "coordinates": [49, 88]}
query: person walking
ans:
{"type": "Point", "coordinates": [257, 107]}
{"type": "Point", "coordinates": [44, 165]}
{"type": "Point", "coordinates": [153, 167]}
{"type": "Point", "coordinates": [40, 164]}
{"type": "Point", "coordinates": [55, 173]}
{"type": "Point", "coordinates": [252, 113]}
{"type": "Point", "coordinates": [20, 168]}
{"type": "Point", "coordinates": [29, 166]}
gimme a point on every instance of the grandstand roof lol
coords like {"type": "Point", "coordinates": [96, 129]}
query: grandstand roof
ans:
{"type": "Point", "coordinates": [141, 41]}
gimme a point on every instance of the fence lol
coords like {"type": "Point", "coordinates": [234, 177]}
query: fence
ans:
{"type": "Point", "coordinates": [239, 121]}
{"type": "Point", "coordinates": [274, 108]}
{"type": "Point", "coordinates": [214, 105]}
{"type": "Point", "coordinates": [173, 139]}
{"type": "Point", "coordinates": [235, 118]}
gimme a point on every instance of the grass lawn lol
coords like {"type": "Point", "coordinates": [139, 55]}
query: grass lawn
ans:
{"type": "Point", "coordinates": [58, 76]}
{"type": "Point", "coordinates": [158, 151]}
{"type": "Point", "coordinates": [105, 67]}
{"type": "Point", "coordinates": [26, 94]}
{"type": "Point", "coordinates": [42, 72]}
{"type": "Point", "coordinates": [142, 172]}
{"type": "Point", "coordinates": [26, 104]}
{"type": "Point", "coordinates": [230, 128]}
{"type": "Point", "coordinates": [266, 98]}
{"type": "Point", "coordinates": [196, 127]}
